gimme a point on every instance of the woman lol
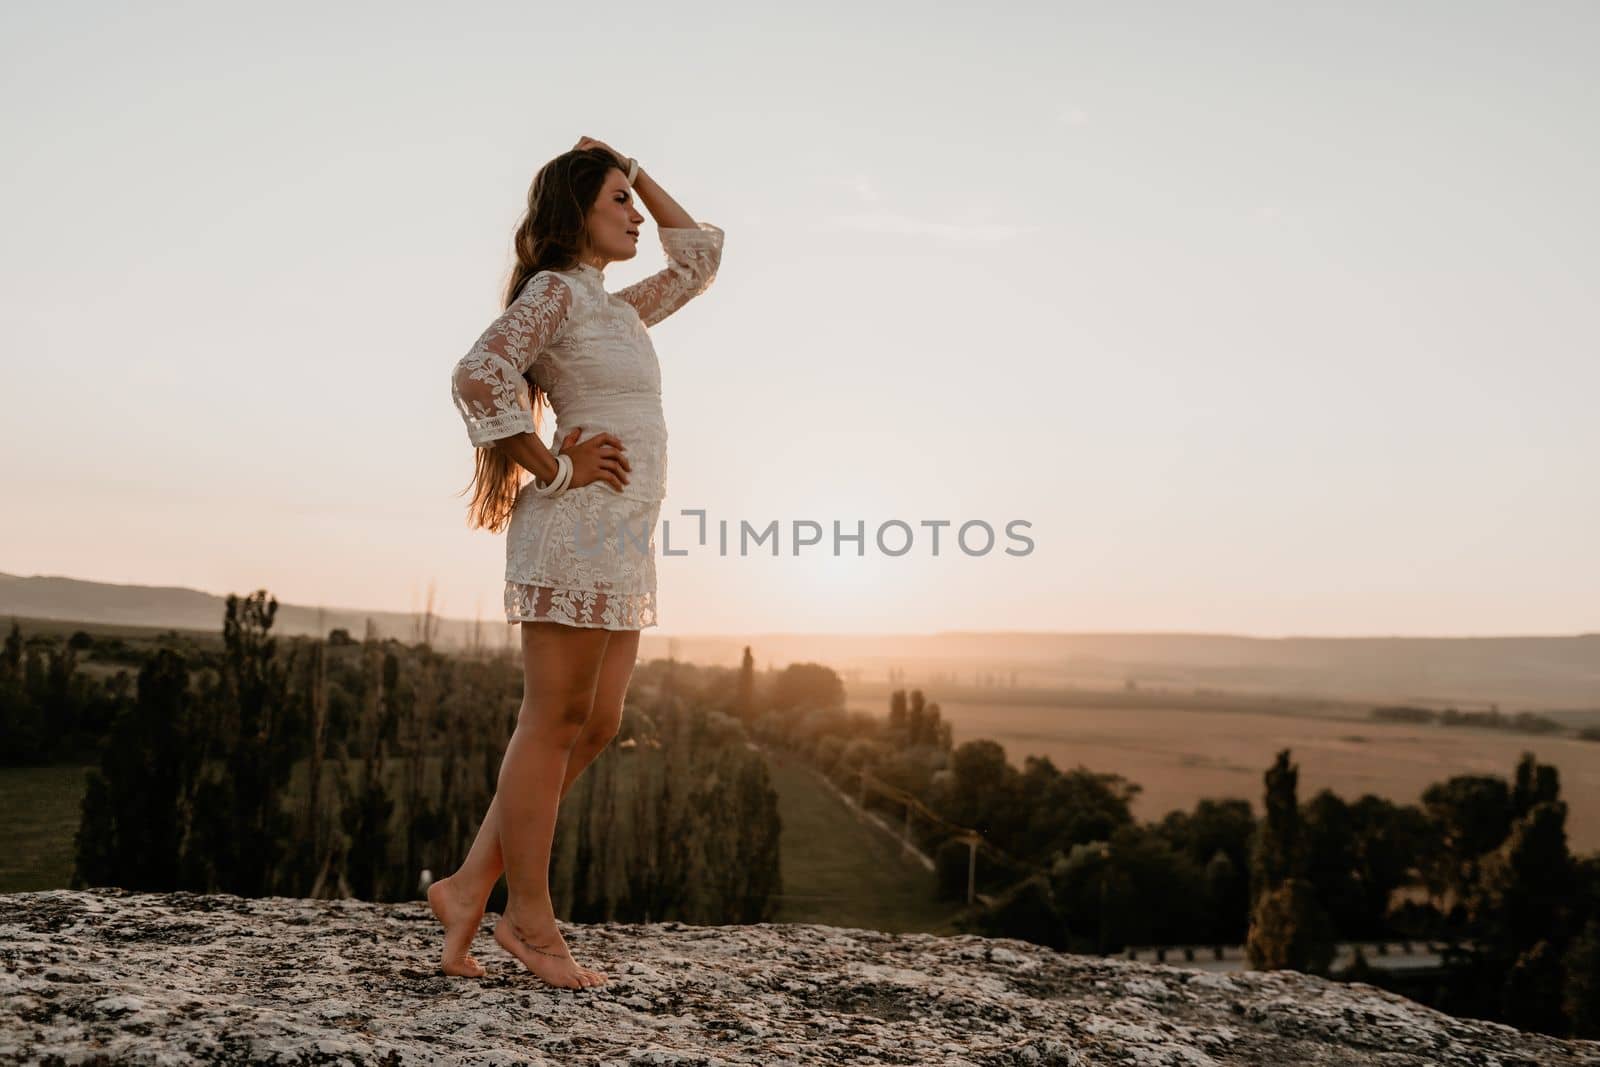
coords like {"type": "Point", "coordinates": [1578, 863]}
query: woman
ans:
{"type": "Point", "coordinates": [580, 540]}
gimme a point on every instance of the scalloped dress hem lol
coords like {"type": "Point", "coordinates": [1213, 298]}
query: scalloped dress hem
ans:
{"type": "Point", "coordinates": [581, 608]}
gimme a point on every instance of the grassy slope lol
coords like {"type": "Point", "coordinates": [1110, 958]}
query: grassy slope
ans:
{"type": "Point", "coordinates": [843, 872]}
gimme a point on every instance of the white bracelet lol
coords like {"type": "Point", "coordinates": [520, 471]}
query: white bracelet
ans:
{"type": "Point", "coordinates": [557, 485]}
{"type": "Point", "coordinates": [633, 170]}
{"type": "Point", "coordinates": [563, 475]}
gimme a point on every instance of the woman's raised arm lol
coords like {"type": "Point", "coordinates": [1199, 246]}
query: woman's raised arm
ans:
{"type": "Point", "coordinates": [693, 249]}
{"type": "Point", "coordinates": [693, 256]}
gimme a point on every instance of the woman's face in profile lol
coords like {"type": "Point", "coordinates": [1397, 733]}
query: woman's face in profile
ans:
{"type": "Point", "coordinates": [613, 222]}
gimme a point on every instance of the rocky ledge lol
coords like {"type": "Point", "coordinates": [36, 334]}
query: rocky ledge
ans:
{"type": "Point", "coordinates": [112, 977]}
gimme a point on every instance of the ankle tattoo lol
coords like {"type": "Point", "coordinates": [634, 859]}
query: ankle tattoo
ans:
{"type": "Point", "coordinates": [515, 932]}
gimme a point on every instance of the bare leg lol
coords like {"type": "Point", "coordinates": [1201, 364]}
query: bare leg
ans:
{"type": "Point", "coordinates": [459, 900]}
{"type": "Point", "coordinates": [458, 906]}
{"type": "Point", "coordinates": [561, 665]}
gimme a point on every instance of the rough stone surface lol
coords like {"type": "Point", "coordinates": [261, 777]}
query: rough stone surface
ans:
{"type": "Point", "coordinates": [173, 978]}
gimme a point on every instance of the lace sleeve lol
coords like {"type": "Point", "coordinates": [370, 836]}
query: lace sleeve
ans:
{"type": "Point", "coordinates": [488, 383]}
{"type": "Point", "coordinates": [692, 259]}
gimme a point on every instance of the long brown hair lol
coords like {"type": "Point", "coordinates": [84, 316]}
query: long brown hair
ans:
{"type": "Point", "coordinates": [547, 238]}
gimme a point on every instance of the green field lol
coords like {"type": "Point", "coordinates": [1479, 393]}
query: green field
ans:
{"type": "Point", "coordinates": [40, 806]}
{"type": "Point", "coordinates": [841, 871]}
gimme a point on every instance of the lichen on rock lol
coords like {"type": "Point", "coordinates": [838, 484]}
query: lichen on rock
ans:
{"type": "Point", "coordinates": [107, 976]}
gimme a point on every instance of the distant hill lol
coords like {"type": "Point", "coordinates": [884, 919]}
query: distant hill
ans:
{"type": "Point", "coordinates": [174, 607]}
{"type": "Point", "coordinates": [1517, 673]}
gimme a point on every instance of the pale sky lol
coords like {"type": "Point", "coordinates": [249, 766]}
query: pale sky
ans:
{"type": "Point", "coordinates": [1269, 321]}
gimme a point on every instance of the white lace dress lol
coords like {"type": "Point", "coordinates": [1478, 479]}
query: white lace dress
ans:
{"type": "Point", "coordinates": [586, 557]}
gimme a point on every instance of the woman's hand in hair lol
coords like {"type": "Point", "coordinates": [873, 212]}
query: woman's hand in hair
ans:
{"type": "Point", "coordinates": [599, 459]}
{"type": "Point", "coordinates": [590, 142]}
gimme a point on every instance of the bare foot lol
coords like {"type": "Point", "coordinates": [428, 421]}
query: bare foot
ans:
{"type": "Point", "coordinates": [460, 918]}
{"type": "Point", "coordinates": [542, 950]}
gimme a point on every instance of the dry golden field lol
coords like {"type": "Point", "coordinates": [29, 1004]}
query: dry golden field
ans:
{"type": "Point", "coordinates": [1181, 756]}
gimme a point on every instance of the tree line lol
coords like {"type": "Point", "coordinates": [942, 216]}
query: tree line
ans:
{"type": "Point", "coordinates": [1527, 722]}
{"type": "Point", "coordinates": [343, 768]}
{"type": "Point", "coordinates": [1481, 863]}
{"type": "Point", "coordinates": [49, 709]}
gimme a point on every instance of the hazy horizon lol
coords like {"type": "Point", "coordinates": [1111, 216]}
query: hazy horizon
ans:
{"type": "Point", "coordinates": [837, 632]}
{"type": "Point", "coordinates": [1273, 322]}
